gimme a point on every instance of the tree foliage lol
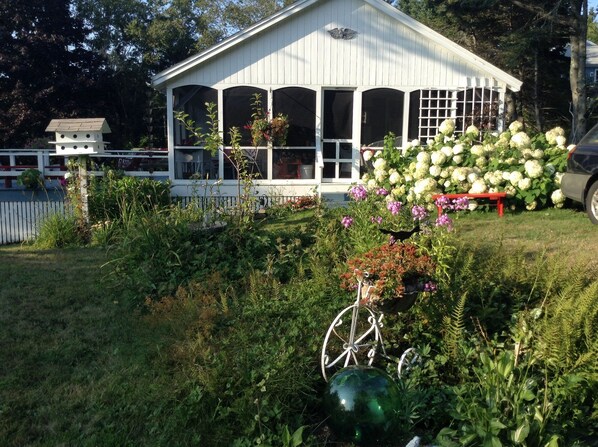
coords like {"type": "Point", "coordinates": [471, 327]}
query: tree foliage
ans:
{"type": "Point", "coordinates": [516, 42]}
{"type": "Point", "coordinates": [45, 69]}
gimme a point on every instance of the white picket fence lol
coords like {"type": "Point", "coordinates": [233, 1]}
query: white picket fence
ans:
{"type": "Point", "coordinates": [19, 221]}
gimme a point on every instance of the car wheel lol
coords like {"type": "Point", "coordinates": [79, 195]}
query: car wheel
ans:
{"type": "Point", "coordinates": [592, 203]}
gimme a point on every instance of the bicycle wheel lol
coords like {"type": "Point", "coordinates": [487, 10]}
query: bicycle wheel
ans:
{"type": "Point", "coordinates": [352, 339]}
{"type": "Point", "coordinates": [408, 360]}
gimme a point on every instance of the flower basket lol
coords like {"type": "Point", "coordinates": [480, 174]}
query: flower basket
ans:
{"type": "Point", "coordinates": [394, 276]}
{"type": "Point", "coordinates": [394, 304]}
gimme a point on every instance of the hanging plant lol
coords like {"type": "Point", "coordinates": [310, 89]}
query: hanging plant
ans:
{"type": "Point", "coordinates": [30, 179]}
{"type": "Point", "coordinates": [262, 129]}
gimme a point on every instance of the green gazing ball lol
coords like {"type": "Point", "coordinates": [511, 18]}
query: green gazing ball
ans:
{"type": "Point", "coordinates": [360, 402]}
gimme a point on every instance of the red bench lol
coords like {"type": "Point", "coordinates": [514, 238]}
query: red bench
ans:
{"type": "Point", "coordinates": [497, 197]}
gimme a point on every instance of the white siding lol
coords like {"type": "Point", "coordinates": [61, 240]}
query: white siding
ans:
{"type": "Point", "coordinates": [299, 51]}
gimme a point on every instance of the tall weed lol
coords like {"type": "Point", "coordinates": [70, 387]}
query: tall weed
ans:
{"type": "Point", "coordinates": [59, 231]}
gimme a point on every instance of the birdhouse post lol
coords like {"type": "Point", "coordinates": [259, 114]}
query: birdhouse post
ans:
{"type": "Point", "coordinates": [80, 137]}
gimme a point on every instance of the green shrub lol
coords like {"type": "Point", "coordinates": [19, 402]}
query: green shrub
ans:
{"type": "Point", "coordinates": [113, 197]}
{"type": "Point", "coordinates": [59, 231]}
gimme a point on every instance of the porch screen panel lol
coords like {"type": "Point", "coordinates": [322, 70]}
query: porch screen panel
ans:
{"type": "Point", "coordinates": [338, 114]}
{"type": "Point", "coordinates": [191, 99]}
{"type": "Point", "coordinates": [237, 110]}
{"type": "Point", "coordinates": [381, 113]}
{"type": "Point", "coordinates": [299, 104]}
{"type": "Point", "coordinates": [297, 159]}
{"type": "Point", "coordinates": [190, 160]}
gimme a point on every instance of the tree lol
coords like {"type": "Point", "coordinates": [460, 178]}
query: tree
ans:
{"type": "Point", "coordinates": [525, 41]}
{"type": "Point", "coordinates": [592, 25]}
{"type": "Point", "coordinates": [572, 14]}
{"type": "Point", "coordinates": [45, 70]}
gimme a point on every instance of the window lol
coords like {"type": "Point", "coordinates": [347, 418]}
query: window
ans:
{"type": "Point", "coordinates": [434, 107]}
{"type": "Point", "coordinates": [429, 108]}
{"type": "Point", "coordinates": [381, 113]}
{"type": "Point", "coordinates": [477, 106]}
{"type": "Point", "coordinates": [297, 160]}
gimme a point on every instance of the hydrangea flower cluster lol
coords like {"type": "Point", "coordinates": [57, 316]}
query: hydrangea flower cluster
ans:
{"type": "Point", "coordinates": [527, 167]}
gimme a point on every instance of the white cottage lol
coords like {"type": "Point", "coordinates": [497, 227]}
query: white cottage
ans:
{"type": "Point", "coordinates": [345, 72]}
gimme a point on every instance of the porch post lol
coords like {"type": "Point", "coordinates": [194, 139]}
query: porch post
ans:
{"type": "Point", "coordinates": [170, 132]}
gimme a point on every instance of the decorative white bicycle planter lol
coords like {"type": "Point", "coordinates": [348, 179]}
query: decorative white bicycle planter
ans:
{"type": "Point", "coordinates": [356, 341]}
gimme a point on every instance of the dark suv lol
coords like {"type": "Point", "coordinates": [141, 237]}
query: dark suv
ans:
{"type": "Point", "coordinates": [580, 182]}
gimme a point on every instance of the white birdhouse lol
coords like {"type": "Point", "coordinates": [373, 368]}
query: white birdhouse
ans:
{"type": "Point", "coordinates": [79, 136]}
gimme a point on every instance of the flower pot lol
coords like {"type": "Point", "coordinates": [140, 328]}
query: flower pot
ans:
{"type": "Point", "coordinates": [306, 171]}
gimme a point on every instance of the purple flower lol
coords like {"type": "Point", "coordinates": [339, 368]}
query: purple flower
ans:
{"type": "Point", "coordinates": [461, 204]}
{"type": "Point", "coordinates": [358, 193]}
{"type": "Point", "coordinates": [444, 221]}
{"type": "Point", "coordinates": [419, 212]}
{"type": "Point", "coordinates": [376, 220]}
{"type": "Point", "coordinates": [394, 207]}
{"type": "Point", "coordinates": [381, 192]}
{"type": "Point", "coordinates": [443, 202]}
{"type": "Point", "coordinates": [347, 221]}
{"type": "Point", "coordinates": [430, 287]}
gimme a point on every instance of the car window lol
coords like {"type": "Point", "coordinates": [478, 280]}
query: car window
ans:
{"type": "Point", "coordinates": [591, 137]}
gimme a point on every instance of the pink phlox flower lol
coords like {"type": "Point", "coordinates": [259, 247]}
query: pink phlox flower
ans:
{"type": "Point", "coordinates": [444, 221]}
{"type": "Point", "coordinates": [376, 220]}
{"type": "Point", "coordinates": [394, 207]}
{"type": "Point", "coordinates": [443, 202]}
{"type": "Point", "coordinates": [430, 287]}
{"type": "Point", "coordinates": [419, 212]}
{"type": "Point", "coordinates": [347, 221]}
{"type": "Point", "coordinates": [382, 192]}
{"type": "Point", "coordinates": [358, 193]}
{"type": "Point", "coordinates": [460, 204]}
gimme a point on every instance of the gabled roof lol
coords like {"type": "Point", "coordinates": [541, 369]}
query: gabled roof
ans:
{"type": "Point", "coordinates": [79, 125]}
{"type": "Point", "coordinates": [170, 73]}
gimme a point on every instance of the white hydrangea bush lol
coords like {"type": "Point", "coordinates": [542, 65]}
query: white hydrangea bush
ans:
{"type": "Point", "coordinates": [527, 167]}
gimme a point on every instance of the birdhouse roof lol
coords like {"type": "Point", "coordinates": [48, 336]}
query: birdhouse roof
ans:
{"type": "Point", "coordinates": [78, 125]}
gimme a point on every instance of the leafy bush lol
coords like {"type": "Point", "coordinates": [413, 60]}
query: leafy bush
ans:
{"type": "Point", "coordinates": [113, 197]}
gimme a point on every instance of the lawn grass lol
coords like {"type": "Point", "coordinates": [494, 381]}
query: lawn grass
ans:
{"type": "Point", "coordinates": [76, 366]}
{"type": "Point", "coordinates": [79, 367]}
{"type": "Point", "coordinates": [566, 233]}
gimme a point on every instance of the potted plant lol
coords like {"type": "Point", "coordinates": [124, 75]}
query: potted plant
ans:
{"type": "Point", "coordinates": [393, 274]}
{"type": "Point", "coordinates": [265, 130]}
{"type": "Point", "coordinates": [279, 128]}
